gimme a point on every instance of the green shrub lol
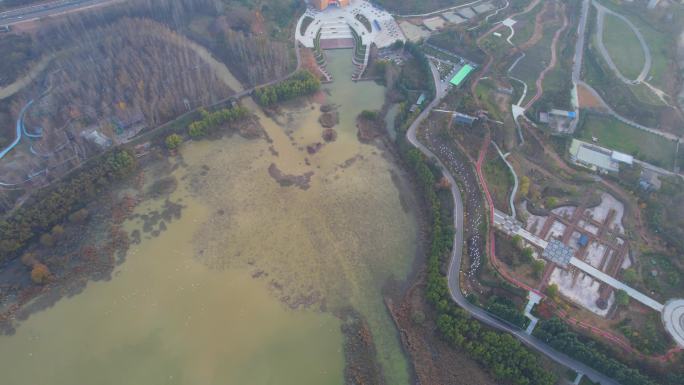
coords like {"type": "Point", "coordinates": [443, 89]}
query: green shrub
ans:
{"type": "Point", "coordinates": [173, 141]}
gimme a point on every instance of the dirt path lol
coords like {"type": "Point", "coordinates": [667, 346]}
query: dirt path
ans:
{"type": "Point", "coordinates": [25, 80]}
{"type": "Point", "coordinates": [490, 58]}
{"type": "Point", "coordinates": [220, 69]}
{"type": "Point", "coordinates": [552, 64]}
{"type": "Point", "coordinates": [538, 29]}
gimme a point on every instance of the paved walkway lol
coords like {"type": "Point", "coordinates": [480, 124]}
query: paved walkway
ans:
{"type": "Point", "coordinates": [512, 226]}
{"type": "Point", "coordinates": [673, 318]}
{"type": "Point", "coordinates": [534, 299]}
{"type": "Point", "coordinates": [616, 284]}
{"type": "Point", "coordinates": [514, 191]}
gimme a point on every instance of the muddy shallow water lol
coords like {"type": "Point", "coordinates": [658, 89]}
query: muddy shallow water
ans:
{"type": "Point", "coordinates": [243, 287]}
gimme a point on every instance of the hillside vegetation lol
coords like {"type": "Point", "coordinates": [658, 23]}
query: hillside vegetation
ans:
{"type": "Point", "coordinates": [135, 62]}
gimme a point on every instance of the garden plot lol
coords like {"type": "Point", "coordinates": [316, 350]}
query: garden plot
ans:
{"type": "Point", "coordinates": [595, 253]}
{"type": "Point", "coordinates": [588, 227]}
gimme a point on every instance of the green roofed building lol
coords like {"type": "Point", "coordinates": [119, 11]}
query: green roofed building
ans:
{"type": "Point", "coordinates": [461, 75]}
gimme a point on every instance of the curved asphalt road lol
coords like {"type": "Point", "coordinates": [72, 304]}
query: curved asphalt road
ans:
{"type": "Point", "coordinates": [457, 254]}
{"type": "Point", "coordinates": [440, 10]}
{"type": "Point", "coordinates": [37, 11]}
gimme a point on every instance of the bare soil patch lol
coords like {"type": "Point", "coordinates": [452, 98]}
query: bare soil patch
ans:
{"type": "Point", "coordinates": [286, 180]}
{"type": "Point", "coordinates": [587, 99]}
{"type": "Point", "coordinates": [538, 27]}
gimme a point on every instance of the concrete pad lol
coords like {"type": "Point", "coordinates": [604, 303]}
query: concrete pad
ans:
{"type": "Point", "coordinates": [413, 32]}
{"type": "Point", "coordinates": [467, 13]}
{"type": "Point", "coordinates": [583, 291]}
{"type": "Point", "coordinates": [484, 7]}
{"type": "Point", "coordinates": [434, 23]}
{"type": "Point", "coordinates": [509, 22]}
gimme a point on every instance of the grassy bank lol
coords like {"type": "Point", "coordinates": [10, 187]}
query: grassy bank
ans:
{"type": "Point", "coordinates": [618, 136]}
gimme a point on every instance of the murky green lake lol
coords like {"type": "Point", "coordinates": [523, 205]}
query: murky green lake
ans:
{"type": "Point", "coordinates": [243, 287]}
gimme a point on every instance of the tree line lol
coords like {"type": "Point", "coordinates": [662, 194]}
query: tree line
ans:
{"type": "Point", "coordinates": [53, 205]}
{"type": "Point", "coordinates": [557, 334]}
{"type": "Point", "coordinates": [299, 84]}
{"type": "Point", "coordinates": [505, 309]}
{"type": "Point", "coordinates": [507, 359]}
{"type": "Point", "coordinates": [423, 62]}
{"type": "Point", "coordinates": [212, 120]}
{"type": "Point", "coordinates": [134, 67]}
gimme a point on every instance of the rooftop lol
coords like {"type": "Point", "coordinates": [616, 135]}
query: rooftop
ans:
{"type": "Point", "coordinates": [598, 158]}
{"type": "Point", "coordinates": [461, 75]}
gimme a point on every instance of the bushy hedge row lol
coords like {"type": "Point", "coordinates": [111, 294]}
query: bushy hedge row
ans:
{"type": "Point", "coordinates": [505, 309]}
{"type": "Point", "coordinates": [211, 120]}
{"type": "Point", "coordinates": [556, 333]}
{"type": "Point", "coordinates": [301, 83]}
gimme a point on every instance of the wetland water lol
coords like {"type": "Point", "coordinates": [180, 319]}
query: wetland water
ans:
{"type": "Point", "coordinates": [245, 286]}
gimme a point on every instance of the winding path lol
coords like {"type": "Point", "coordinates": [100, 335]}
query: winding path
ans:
{"type": "Point", "coordinates": [514, 191]}
{"type": "Point", "coordinates": [552, 63]}
{"type": "Point", "coordinates": [25, 80]}
{"type": "Point", "coordinates": [19, 130]}
{"type": "Point", "coordinates": [454, 276]}
{"type": "Point", "coordinates": [600, 18]}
